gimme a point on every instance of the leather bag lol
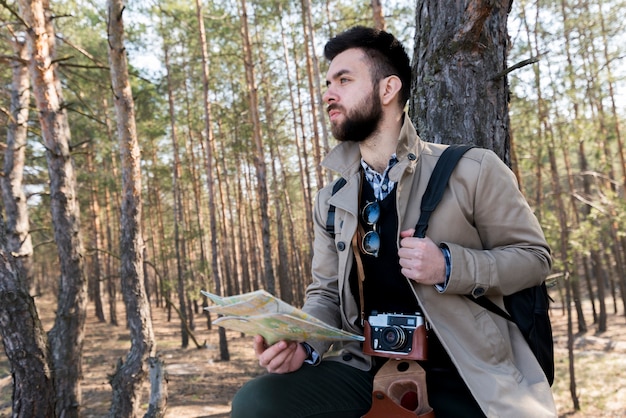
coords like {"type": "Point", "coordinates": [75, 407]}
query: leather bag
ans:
{"type": "Point", "coordinates": [400, 392]}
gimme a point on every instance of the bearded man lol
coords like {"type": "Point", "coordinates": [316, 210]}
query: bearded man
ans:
{"type": "Point", "coordinates": [483, 239]}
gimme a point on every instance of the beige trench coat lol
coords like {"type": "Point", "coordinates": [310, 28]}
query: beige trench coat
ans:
{"type": "Point", "coordinates": [497, 248]}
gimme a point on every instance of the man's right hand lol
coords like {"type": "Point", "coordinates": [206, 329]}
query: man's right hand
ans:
{"type": "Point", "coordinates": [281, 357]}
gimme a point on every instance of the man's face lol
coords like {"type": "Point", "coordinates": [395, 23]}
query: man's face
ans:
{"type": "Point", "coordinates": [353, 101]}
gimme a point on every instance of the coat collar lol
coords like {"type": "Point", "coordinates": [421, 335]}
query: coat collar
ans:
{"type": "Point", "coordinates": [345, 158]}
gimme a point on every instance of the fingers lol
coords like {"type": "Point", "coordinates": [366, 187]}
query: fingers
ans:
{"type": "Point", "coordinates": [277, 358]}
{"type": "Point", "coordinates": [421, 259]}
{"type": "Point", "coordinates": [259, 345]}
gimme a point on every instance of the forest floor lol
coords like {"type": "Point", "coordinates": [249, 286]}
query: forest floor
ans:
{"type": "Point", "coordinates": [199, 385]}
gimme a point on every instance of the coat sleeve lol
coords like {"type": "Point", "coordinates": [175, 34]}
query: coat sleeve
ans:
{"type": "Point", "coordinates": [512, 252]}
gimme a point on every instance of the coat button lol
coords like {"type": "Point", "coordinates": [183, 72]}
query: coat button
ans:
{"type": "Point", "coordinates": [347, 357]}
{"type": "Point", "coordinates": [412, 157]}
{"type": "Point", "coordinates": [341, 245]}
{"type": "Point", "coordinates": [479, 291]}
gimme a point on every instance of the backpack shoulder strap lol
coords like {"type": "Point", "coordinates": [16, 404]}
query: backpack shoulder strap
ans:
{"type": "Point", "coordinates": [437, 184]}
{"type": "Point", "coordinates": [330, 218]}
{"type": "Point", "coordinates": [490, 306]}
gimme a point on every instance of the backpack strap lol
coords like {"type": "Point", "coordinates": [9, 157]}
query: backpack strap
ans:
{"type": "Point", "coordinates": [437, 184]}
{"type": "Point", "coordinates": [490, 306]}
{"type": "Point", "coordinates": [330, 218]}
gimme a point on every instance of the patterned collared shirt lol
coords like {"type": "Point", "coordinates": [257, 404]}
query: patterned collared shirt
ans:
{"type": "Point", "coordinates": [380, 182]}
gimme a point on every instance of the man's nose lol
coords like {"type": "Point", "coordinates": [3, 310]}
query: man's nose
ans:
{"type": "Point", "coordinates": [328, 96]}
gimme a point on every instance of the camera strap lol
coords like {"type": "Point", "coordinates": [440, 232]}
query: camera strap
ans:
{"type": "Point", "coordinates": [357, 255]}
{"type": "Point", "coordinates": [360, 272]}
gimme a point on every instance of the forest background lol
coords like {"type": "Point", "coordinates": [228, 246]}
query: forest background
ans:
{"type": "Point", "coordinates": [231, 130]}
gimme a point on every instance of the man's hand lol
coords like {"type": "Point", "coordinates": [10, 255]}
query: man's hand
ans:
{"type": "Point", "coordinates": [282, 357]}
{"type": "Point", "coordinates": [421, 259]}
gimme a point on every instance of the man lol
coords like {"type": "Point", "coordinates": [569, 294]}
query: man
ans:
{"type": "Point", "coordinates": [478, 363]}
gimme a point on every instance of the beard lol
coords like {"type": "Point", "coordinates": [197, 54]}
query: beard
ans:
{"type": "Point", "coordinates": [360, 123]}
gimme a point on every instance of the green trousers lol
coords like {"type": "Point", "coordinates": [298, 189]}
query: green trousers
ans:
{"type": "Point", "coordinates": [329, 390]}
{"type": "Point", "coordinates": [336, 390]}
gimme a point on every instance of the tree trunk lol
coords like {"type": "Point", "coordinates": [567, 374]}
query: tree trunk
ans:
{"type": "Point", "coordinates": [160, 236]}
{"type": "Point", "coordinates": [377, 13]}
{"type": "Point", "coordinates": [130, 375]}
{"type": "Point", "coordinates": [224, 354]}
{"type": "Point", "coordinates": [24, 342]}
{"type": "Point", "coordinates": [178, 208]}
{"type": "Point", "coordinates": [19, 242]}
{"type": "Point", "coordinates": [460, 89]}
{"type": "Point", "coordinates": [111, 284]}
{"type": "Point", "coordinates": [570, 345]}
{"type": "Point", "coordinates": [67, 334]}
{"type": "Point", "coordinates": [297, 118]}
{"type": "Point", "coordinates": [310, 68]}
{"type": "Point", "coordinates": [600, 288]}
{"type": "Point", "coordinates": [109, 222]}
{"type": "Point", "coordinates": [95, 288]}
{"type": "Point", "coordinates": [259, 155]}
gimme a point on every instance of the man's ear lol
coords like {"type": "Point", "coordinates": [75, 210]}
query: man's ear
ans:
{"type": "Point", "coordinates": [390, 89]}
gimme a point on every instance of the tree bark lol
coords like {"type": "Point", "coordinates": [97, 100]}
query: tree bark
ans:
{"type": "Point", "coordinates": [19, 242]}
{"type": "Point", "coordinates": [178, 207]}
{"type": "Point", "coordinates": [377, 13]}
{"type": "Point", "coordinates": [130, 375]}
{"type": "Point", "coordinates": [24, 342]}
{"type": "Point", "coordinates": [259, 155]}
{"type": "Point", "coordinates": [314, 91]}
{"type": "Point", "coordinates": [67, 334]}
{"type": "Point", "coordinates": [95, 288]}
{"type": "Point", "coordinates": [459, 93]}
{"type": "Point", "coordinates": [208, 148]}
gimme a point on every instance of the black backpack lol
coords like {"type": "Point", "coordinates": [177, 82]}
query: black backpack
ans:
{"type": "Point", "coordinates": [528, 308]}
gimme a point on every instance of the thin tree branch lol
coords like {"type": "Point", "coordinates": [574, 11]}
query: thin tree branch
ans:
{"type": "Point", "coordinates": [517, 66]}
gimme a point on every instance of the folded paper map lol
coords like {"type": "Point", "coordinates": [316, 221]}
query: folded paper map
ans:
{"type": "Point", "coordinates": [261, 313]}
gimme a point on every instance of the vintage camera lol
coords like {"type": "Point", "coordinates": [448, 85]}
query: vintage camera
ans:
{"type": "Point", "coordinates": [396, 336]}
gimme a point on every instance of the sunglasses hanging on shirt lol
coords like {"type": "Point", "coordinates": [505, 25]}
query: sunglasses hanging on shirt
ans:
{"type": "Point", "coordinates": [370, 243]}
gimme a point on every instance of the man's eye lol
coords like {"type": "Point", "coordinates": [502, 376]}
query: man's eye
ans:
{"type": "Point", "coordinates": [343, 80]}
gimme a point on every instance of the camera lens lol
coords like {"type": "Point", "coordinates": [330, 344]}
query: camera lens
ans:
{"type": "Point", "coordinates": [393, 337]}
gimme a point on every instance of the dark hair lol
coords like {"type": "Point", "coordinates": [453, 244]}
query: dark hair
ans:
{"type": "Point", "coordinates": [384, 51]}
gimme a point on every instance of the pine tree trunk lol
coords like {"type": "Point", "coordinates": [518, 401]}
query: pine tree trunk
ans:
{"type": "Point", "coordinates": [19, 242]}
{"type": "Point", "coordinates": [179, 241]}
{"type": "Point", "coordinates": [224, 354]}
{"type": "Point", "coordinates": [259, 155]}
{"type": "Point", "coordinates": [95, 288]}
{"type": "Point", "coordinates": [109, 205]}
{"type": "Point", "coordinates": [310, 72]}
{"type": "Point", "coordinates": [377, 13]}
{"type": "Point", "coordinates": [24, 342]}
{"type": "Point", "coordinates": [460, 91]}
{"type": "Point", "coordinates": [111, 283]}
{"type": "Point", "coordinates": [130, 375]}
{"type": "Point", "coordinates": [67, 334]}
{"type": "Point", "coordinates": [297, 118]}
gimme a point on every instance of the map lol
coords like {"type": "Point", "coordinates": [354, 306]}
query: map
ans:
{"type": "Point", "coordinates": [261, 313]}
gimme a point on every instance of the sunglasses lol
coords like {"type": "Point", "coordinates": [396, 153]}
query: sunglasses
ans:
{"type": "Point", "coordinates": [370, 244]}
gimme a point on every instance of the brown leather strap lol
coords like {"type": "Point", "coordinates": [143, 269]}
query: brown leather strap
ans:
{"type": "Point", "coordinates": [359, 268]}
{"type": "Point", "coordinates": [356, 249]}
